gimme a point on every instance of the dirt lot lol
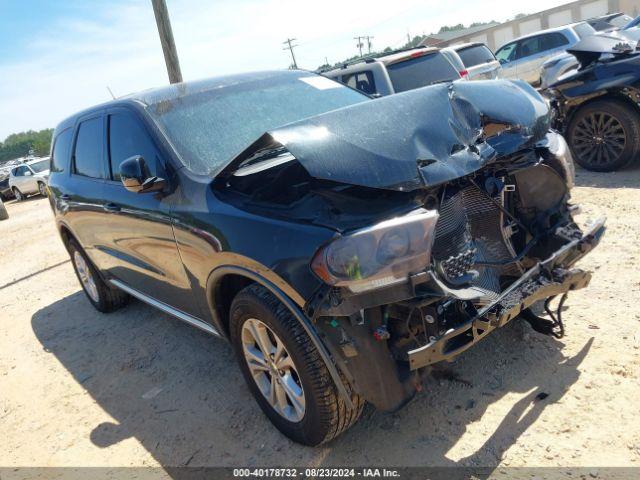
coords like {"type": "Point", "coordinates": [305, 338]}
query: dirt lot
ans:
{"type": "Point", "coordinates": [79, 388]}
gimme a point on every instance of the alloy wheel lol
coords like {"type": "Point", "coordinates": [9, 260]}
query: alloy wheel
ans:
{"type": "Point", "coordinates": [599, 139]}
{"type": "Point", "coordinates": [86, 277]}
{"type": "Point", "coordinates": [42, 189]}
{"type": "Point", "coordinates": [273, 370]}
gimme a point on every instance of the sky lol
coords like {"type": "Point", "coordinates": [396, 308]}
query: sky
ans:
{"type": "Point", "coordinates": [59, 56]}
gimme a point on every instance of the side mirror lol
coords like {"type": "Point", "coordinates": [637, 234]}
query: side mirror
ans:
{"type": "Point", "coordinates": [28, 173]}
{"type": "Point", "coordinates": [135, 176]}
{"type": "Point", "coordinates": [502, 61]}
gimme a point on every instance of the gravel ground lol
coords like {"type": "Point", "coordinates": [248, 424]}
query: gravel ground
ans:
{"type": "Point", "coordinates": [136, 387]}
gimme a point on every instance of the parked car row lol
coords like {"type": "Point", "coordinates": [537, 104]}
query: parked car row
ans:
{"type": "Point", "coordinates": [417, 67]}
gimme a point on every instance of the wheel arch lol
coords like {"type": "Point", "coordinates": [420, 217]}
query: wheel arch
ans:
{"type": "Point", "coordinates": [627, 97]}
{"type": "Point", "coordinates": [226, 281]}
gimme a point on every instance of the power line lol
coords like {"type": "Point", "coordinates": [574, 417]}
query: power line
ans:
{"type": "Point", "coordinates": [290, 48]}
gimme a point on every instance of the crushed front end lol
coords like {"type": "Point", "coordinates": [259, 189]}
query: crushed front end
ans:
{"type": "Point", "coordinates": [447, 227]}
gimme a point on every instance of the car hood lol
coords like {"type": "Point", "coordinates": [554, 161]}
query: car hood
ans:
{"type": "Point", "coordinates": [411, 140]}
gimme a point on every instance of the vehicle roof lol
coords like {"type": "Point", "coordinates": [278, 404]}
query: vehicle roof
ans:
{"type": "Point", "coordinates": [176, 90]}
{"type": "Point", "coordinates": [608, 16]}
{"type": "Point", "coordinates": [546, 30]}
{"type": "Point", "coordinates": [35, 160]}
{"type": "Point", "coordinates": [406, 53]}
{"type": "Point", "coordinates": [460, 46]}
{"type": "Point", "coordinates": [384, 59]}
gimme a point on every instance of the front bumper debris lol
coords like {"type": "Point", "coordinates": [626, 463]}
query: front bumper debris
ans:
{"type": "Point", "coordinates": [548, 278]}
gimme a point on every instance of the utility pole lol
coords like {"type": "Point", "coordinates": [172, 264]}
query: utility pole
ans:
{"type": "Point", "coordinates": [359, 39]}
{"type": "Point", "coordinates": [369, 37]}
{"type": "Point", "coordinates": [166, 39]}
{"type": "Point", "coordinates": [360, 44]}
{"type": "Point", "coordinates": [290, 48]}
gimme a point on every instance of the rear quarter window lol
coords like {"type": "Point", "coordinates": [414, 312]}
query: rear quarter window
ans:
{"type": "Point", "coordinates": [475, 55]}
{"type": "Point", "coordinates": [61, 151]}
{"type": "Point", "coordinates": [421, 71]}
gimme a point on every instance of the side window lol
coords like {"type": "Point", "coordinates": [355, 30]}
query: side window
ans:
{"type": "Point", "coordinates": [88, 151]}
{"type": "Point", "coordinates": [554, 40]}
{"type": "Point", "coordinates": [362, 81]}
{"type": "Point", "coordinates": [18, 172]}
{"type": "Point", "coordinates": [61, 151]}
{"type": "Point", "coordinates": [530, 46]}
{"type": "Point", "coordinates": [127, 137]}
{"type": "Point", "coordinates": [506, 53]}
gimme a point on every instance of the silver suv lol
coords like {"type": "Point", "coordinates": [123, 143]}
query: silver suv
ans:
{"type": "Point", "coordinates": [523, 57]}
{"type": "Point", "coordinates": [29, 178]}
{"type": "Point", "coordinates": [397, 72]}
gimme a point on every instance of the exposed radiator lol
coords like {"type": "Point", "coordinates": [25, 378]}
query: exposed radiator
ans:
{"type": "Point", "coordinates": [471, 229]}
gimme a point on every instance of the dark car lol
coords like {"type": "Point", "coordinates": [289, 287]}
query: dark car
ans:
{"type": "Point", "coordinates": [5, 190]}
{"type": "Point", "coordinates": [596, 102]}
{"type": "Point", "coordinates": [341, 244]}
{"type": "Point", "coordinates": [609, 22]}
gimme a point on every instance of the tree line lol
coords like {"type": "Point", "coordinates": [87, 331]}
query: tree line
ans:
{"type": "Point", "coordinates": [20, 144]}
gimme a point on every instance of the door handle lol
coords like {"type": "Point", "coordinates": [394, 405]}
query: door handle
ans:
{"type": "Point", "coordinates": [111, 207]}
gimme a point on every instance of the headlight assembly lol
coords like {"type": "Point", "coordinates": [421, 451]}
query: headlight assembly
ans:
{"type": "Point", "coordinates": [378, 256]}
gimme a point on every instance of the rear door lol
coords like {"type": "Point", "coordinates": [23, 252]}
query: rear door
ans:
{"type": "Point", "coordinates": [140, 248]}
{"type": "Point", "coordinates": [82, 199]}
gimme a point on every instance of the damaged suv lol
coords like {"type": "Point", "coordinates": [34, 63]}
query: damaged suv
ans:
{"type": "Point", "coordinates": [342, 244]}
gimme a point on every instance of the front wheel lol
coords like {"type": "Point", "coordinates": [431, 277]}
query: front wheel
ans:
{"type": "Point", "coordinates": [42, 189]}
{"type": "Point", "coordinates": [285, 372]}
{"type": "Point", "coordinates": [18, 194]}
{"type": "Point", "coordinates": [102, 296]}
{"type": "Point", "coordinates": [604, 136]}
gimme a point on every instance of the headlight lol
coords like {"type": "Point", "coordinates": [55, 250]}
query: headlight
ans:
{"type": "Point", "coordinates": [559, 148]}
{"type": "Point", "coordinates": [378, 256]}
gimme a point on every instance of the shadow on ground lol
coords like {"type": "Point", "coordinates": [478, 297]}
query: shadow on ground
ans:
{"type": "Point", "coordinates": [178, 391]}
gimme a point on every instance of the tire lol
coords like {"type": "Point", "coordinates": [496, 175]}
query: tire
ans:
{"type": "Point", "coordinates": [18, 194]}
{"type": "Point", "coordinates": [3, 211]}
{"type": "Point", "coordinates": [325, 414]}
{"type": "Point", "coordinates": [42, 189]}
{"type": "Point", "coordinates": [102, 296]}
{"type": "Point", "coordinates": [604, 135]}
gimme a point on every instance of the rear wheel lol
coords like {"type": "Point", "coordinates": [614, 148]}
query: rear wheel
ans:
{"type": "Point", "coordinates": [102, 296]}
{"type": "Point", "coordinates": [18, 194]}
{"type": "Point", "coordinates": [285, 372]}
{"type": "Point", "coordinates": [604, 136]}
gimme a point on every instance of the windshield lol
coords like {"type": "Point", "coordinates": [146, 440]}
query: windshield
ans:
{"type": "Point", "coordinates": [583, 30]}
{"type": "Point", "coordinates": [40, 166]}
{"type": "Point", "coordinates": [506, 53]}
{"type": "Point", "coordinates": [209, 128]}
{"type": "Point", "coordinates": [620, 21]}
{"type": "Point", "coordinates": [421, 71]}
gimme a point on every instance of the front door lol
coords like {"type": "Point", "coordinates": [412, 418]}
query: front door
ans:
{"type": "Point", "coordinates": [140, 248]}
